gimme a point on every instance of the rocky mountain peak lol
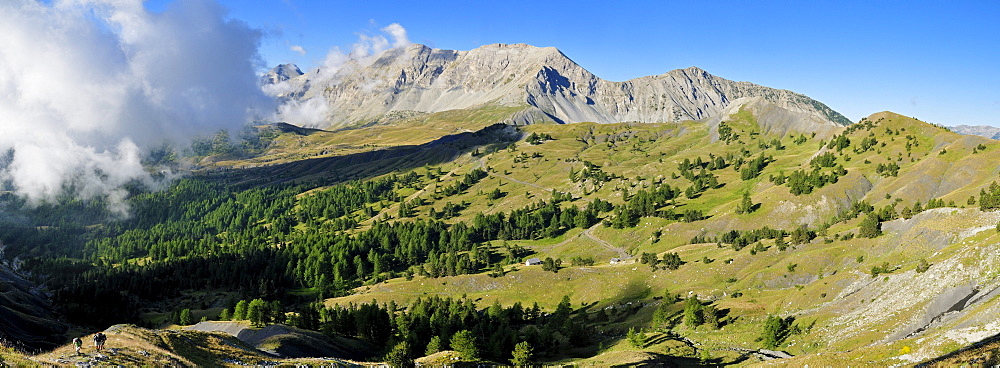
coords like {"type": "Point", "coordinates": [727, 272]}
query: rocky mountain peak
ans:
{"type": "Point", "coordinates": [280, 73]}
{"type": "Point", "coordinates": [549, 85]}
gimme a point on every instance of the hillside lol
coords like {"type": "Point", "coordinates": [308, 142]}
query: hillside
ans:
{"type": "Point", "coordinates": [662, 242]}
{"type": "Point", "coordinates": [828, 282]}
{"type": "Point", "coordinates": [27, 320]}
{"type": "Point", "coordinates": [540, 83]}
{"type": "Point", "coordinates": [129, 345]}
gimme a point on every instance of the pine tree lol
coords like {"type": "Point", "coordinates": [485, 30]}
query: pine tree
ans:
{"type": "Point", "coordinates": [433, 346]}
{"type": "Point", "coordinates": [746, 205]}
{"type": "Point", "coordinates": [464, 342]}
{"type": "Point", "coordinates": [522, 354]}
{"type": "Point", "coordinates": [711, 316]}
{"type": "Point", "coordinates": [276, 314]}
{"type": "Point", "coordinates": [185, 317]}
{"type": "Point", "coordinates": [256, 312]}
{"type": "Point", "coordinates": [240, 312]}
{"type": "Point", "coordinates": [780, 243]}
{"type": "Point", "coordinates": [870, 227]}
{"type": "Point", "coordinates": [672, 261]}
{"type": "Point", "coordinates": [692, 312]}
{"type": "Point", "coordinates": [399, 356]}
{"type": "Point", "coordinates": [776, 330]}
{"type": "Point", "coordinates": [636, 338]}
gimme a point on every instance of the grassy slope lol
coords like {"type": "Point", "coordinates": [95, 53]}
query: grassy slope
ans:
{"type": "Point", "coordinates": [12, 358]}
{"type": "Point", "coordinates": [135, 346]}
{"type": "Point", "coordinates": [813, 291]}
{"type": "Point", "coordinates": [855, 318]}
{"type": "Point", "coordinates": [411, 131]}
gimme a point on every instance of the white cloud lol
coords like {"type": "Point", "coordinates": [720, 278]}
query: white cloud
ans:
{"type": "Point", "coordinates": [298, 49]}
{"type": "Point", "coordinates": [85, 83]}
{"type": "Point", "coordinates": [364, 51]}
{"type": "Point", "coordinates": [314, 111]}
{"type": "Point", "coordinates": [398, 34]}
{"type": "Point", "coordinates": [310, 113]}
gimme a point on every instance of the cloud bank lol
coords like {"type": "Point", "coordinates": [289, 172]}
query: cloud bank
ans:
{"type": "Point", "coordinates": [314, 111]}
{"type": "Point", "coordinates": [84, 84]}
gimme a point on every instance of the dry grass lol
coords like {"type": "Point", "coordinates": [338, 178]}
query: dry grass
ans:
{"type": "Point", "coordinates": [131, 346]}
{"type": "Point", "coordinates": [13, 358]}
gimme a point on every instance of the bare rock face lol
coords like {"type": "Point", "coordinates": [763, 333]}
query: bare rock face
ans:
{"type": "Point", "coordinates": [280, 74]}
{"type": "Point", "coordinates": [549, 85]}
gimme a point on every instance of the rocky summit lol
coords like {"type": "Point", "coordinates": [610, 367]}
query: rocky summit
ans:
{"type": "Point", "coordinates": [549, 85]}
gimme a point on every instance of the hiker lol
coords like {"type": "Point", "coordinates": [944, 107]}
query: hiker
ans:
{"type": "Point", "coordinates": [99, 339]}
{"type": "Point", "coordinates": [79, 344]}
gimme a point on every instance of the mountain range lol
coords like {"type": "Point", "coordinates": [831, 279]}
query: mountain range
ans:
{"type": "Point", "coordinates": [980, 130]}
{"type": "Point", "coordinates": [549, 87]}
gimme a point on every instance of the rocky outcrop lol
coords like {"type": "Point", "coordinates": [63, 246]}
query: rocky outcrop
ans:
{"type": "Point", "coordinates": [548, 84]}
{"type": "Point", "coordinates": [774, 119]}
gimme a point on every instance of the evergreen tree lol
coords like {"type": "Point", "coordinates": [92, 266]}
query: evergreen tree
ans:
{"type": "Point", "coordinates": [672, 261]}
{"type": "Point", "coordinates": [711, 316]}
{"type": "Point", "coordinates": [257, 313]}
{"type": "Point", "coordinates": [464, 342]}
{"type": "Point", "coordinates": [550, 264]}
{"type": "Point", "coordinates": [692, 312]}
{"type": "Point", "coordinates": [746, 205]}
{"type": "Point", "coordinates": [240, 312]}
{"type": "Point", "coordinates": [636, 338]}
{"type": "Point", "coordinates": [522, 354]}
{"type": "Point", "coordinates": [870, 227]}
{"type": "Point", "coordinates": [780, 243]}
{"type": "Point", "coordinates": [661, 316]}
{"type": "Point", "coordinates": [276, 314]}
{"type": "Point", "coordinates": [185, 317]}
{"type": "Point", "coordinates": [224, 314]}
{"type": "Point", "coordinates": [776, 330]}
{"type": "Point", "coordinates": [399, 356]}
{"type": "Point", "coordinates": [433, 346]}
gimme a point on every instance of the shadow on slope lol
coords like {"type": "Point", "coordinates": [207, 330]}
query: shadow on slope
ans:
{"type": "Point", "coordinates": [290, 342]}
{"type": "Point", "coordinates": [129, 345]}
{"type": "Point", "coordinates": [26, 318]}
{"type": "Point", "coordinates": [297, 130]}
{"type": "Point", "coordinates": [330, 170]}
{"type": "Point", "coordinates": [985, 353]}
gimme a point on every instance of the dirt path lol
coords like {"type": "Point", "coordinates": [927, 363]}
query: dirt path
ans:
{"type": "Point", "coordinates": [482, 163]}
{"type": "Point", "coordinates": [622, 254]}
{"type": "Point", "coordinates": [621, 251]}
{"type": "Point", "coordinates": [564, 242]}
{"type": "Point", "coordinates": [381, 213]}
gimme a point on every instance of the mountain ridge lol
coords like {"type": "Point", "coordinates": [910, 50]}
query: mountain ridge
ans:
{"type": "Point", "coordinates": [549, 85]}
{"type": "Point", "coordinates": [980, 130]}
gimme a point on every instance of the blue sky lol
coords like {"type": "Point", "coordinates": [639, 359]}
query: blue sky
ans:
{"type": "Point", "coordinates": [937, 61]}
